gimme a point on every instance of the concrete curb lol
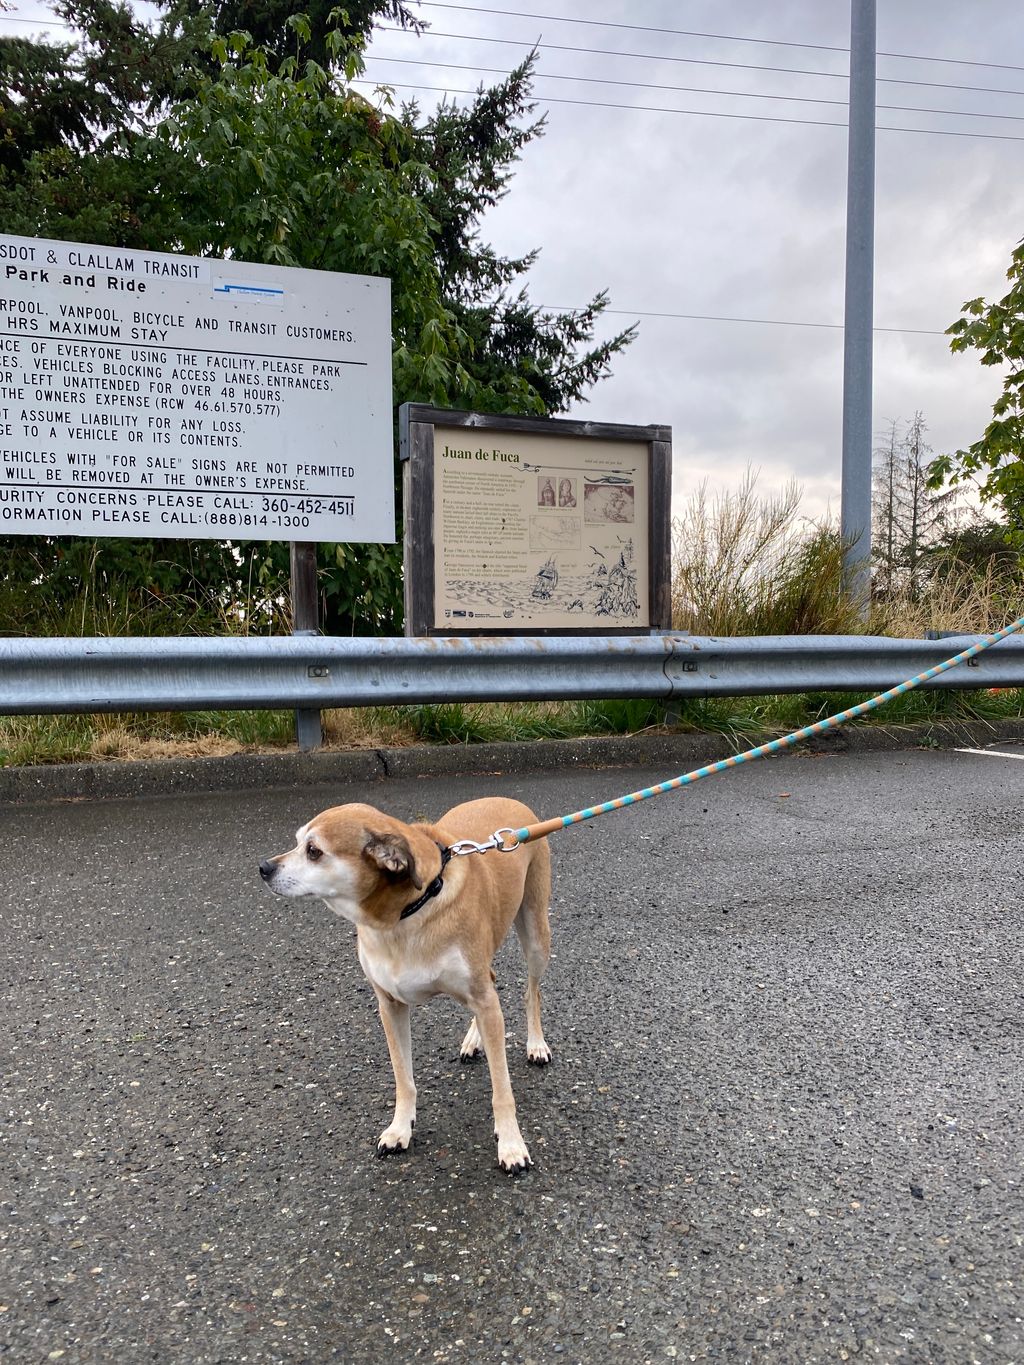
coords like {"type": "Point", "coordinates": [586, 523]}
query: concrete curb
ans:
{"type": "Point", "coordinates": [670, 753]}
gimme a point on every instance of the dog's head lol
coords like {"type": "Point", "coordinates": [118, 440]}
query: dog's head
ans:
{"type": "Point", "coordinates": [366, 865]}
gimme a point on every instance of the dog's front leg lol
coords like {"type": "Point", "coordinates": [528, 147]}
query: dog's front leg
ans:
{"type": "Point", "coordinates": [395, 1018]}
{"type": "Point", "coordinates": [512, 1152]}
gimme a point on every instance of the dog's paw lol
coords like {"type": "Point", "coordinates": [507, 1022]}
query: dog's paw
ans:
{"type": "Point", "coordinates": [394, 1139]}
{"type": "Point", "coordinates": [472, 1045]}
{"type": "Point", "coordinates": [538, 1054]}
{"type": "Point", "coordinates": [513, 1156]}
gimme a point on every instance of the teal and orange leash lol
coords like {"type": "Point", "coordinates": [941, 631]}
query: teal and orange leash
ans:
{"type": "Point", "coordinates": [507, 840]}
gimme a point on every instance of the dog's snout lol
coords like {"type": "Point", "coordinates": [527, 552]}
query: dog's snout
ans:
{"type": "Point", "coordinates": [267, 869]}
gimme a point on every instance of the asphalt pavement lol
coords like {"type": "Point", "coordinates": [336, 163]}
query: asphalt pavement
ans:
{"type": "Point", "coordinates": [782, 1123]}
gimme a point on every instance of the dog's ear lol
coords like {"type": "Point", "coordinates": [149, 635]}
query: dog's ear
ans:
{"type": "Point", "coordinates": [392, 854]}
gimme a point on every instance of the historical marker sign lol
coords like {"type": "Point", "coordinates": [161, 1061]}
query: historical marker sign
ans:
{"type": "Point", "coordinates": [525, 525]}
{"type": "Point", "coordinates": [144, 394]}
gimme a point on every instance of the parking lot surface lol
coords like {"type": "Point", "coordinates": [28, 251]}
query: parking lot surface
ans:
{"type": "Point", "coordinates": [782, 1123]}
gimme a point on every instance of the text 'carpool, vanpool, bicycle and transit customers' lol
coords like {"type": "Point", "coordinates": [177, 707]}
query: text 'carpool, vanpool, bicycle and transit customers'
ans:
{"type": "Point", "coordinates": [147, 394]}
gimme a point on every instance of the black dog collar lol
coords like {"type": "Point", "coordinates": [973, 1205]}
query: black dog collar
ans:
{"type": "Point", "coordinates": [434, 889]}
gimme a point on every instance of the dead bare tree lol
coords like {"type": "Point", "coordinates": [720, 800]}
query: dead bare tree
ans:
{"type": "Point", "coordinates": [908, 516]}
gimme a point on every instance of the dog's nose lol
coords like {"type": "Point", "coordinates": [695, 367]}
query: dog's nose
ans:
{"type": "Point", "coordinates": [267, 869]}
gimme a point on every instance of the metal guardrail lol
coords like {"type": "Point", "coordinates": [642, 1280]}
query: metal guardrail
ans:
{"type": "Point", "coordinates": [317, 672]}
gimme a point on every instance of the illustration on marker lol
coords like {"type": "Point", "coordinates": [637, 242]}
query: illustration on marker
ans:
{"type": "Point", "coordinates": [546, 581]}
{"type": "Point", "coordinates": [607, 502]}
{"type": "Point", "coordinates": [574, 554]}
{"type": "Point", "coordinates": [555, 533]}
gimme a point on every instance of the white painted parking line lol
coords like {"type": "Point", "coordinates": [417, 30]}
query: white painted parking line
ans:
{"type": "Point", "coordinates": [990, 753]}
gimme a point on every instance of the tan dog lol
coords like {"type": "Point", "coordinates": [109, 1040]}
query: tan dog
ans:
{"type": "Point", "coordinates": [427, 926]}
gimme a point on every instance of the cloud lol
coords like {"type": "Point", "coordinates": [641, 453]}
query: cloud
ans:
{"type": "Point", "coordinates": [737, 218]}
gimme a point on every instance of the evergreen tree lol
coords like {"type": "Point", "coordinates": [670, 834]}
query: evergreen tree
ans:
{"type": "Point", "coordinates": [471, 154]}
{"type": "Point", "coordinates": [266, 23]}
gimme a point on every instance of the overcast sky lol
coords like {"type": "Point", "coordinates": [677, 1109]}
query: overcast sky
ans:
{"type": "Point", "coordinates": [741, 218]}
{"type": "Point", "coordinates": [744, 217]}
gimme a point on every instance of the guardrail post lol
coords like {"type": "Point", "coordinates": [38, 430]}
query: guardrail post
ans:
{"type": "Point", "coordinates": [309, 732]}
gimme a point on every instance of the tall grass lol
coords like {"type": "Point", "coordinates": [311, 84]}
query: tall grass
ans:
{"type": "Point", "coordinates": [744, 564]}
{"type": "Point", "coordinates": [747, 564]}
{"type": "Point", "coordinates": [84, 595]}
{"type": "Point", "coordinates": [81, 738]}
{"type": "Point", "coordinates": [109, 607]}
{"type": "Point", "coordinates": [956, 598]}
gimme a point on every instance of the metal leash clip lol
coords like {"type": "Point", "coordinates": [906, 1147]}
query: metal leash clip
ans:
{"type": "Point", "coordinates": [497, 840]}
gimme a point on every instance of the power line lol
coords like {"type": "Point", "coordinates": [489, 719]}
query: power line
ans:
{"type": "Point", "coordinates": [696, 113]}
{"type": "Point", "coordinates": [24, 19]}
{"type": "Point", "coordinates": [676, 316]}
{"type": "Point", "coordinates": [654, 56]}
{"type": "Point", "coordinates": [699, 61]}
{"type": "Point", "coordinates": [742, 94]}
{"type": "Point", "coordinates": [721, 37]}
{"type": "Point", "coordinates": [693, 89]}
{"type": "Point", "coordinates": [762, 322]}
{"type": "Point", "coordinates": [649, 28]}
{"type": "Point", "coordinates": [705, 113]}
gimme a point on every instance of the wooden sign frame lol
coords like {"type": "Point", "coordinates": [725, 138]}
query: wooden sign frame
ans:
{"type": "Point", "coordinates": [418, 425]}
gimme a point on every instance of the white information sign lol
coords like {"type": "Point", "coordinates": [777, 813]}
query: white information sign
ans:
{"type": "Point", "coordinates": [144, 394]}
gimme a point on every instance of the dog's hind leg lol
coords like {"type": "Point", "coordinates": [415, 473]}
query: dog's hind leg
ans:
{"type": "Point", "coordinates": [395, 1018]}
{"type": "Point", "coordinates": [534, 933]}
{"type": "Point", "coordinates": [472, 1044]}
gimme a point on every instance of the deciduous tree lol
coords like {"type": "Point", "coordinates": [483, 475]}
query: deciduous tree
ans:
{"type": "Point", "coordinates": [995, 462]}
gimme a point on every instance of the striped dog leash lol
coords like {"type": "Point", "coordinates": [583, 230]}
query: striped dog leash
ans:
{"type": "Point", "coordinates": [508, 840]}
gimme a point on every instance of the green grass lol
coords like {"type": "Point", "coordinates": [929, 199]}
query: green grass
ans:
{"type": "Point", "coordinates": [926, 706]}
{"type": "Point", "coordinates": [245, 727]}
{"type": "Point", "coordinates": [733, 717]}
{"type": "Point", "coordinates": [739, 720]}
{"type": "Point", "coordinates": [487, 722]}
{"type": "Point", "coordinates": [45, 739]}
{"type": "Point", "coordinates": [79, 738]}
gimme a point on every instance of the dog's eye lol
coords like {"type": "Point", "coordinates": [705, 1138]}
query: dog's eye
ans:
{"type": "Point", "coordinates": [313, 853]}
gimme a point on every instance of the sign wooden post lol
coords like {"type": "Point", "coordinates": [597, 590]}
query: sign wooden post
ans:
{"type": "Point", "coordinates": [305, 621]}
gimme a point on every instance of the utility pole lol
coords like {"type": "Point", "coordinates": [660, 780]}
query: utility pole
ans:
{"type": "Point", "coordinates": [855, 514]}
